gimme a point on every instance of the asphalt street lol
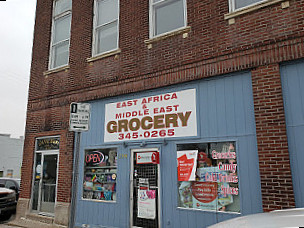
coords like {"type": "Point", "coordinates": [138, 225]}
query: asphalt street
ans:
{"type": "Point", "coordinates": [3, 224]}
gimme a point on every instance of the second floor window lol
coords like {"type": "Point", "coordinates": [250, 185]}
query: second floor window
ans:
{"type": "Point", "coordinates": [167, 16]}
{"type": "Point", "coordinates": [237, 4]}
{"type": "Point", "coordinates": [62, 14]}
{"type": "Point", "coordinates": [106, 19]}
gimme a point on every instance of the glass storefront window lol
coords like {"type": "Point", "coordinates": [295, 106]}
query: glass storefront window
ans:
{"type": "Point", "coordinates": [100, 174]}
{"type": "Point", "coordinates": [207, 176]}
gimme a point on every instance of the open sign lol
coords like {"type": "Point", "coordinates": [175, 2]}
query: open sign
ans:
{"type": "Point", "coordinates": [94, 158]}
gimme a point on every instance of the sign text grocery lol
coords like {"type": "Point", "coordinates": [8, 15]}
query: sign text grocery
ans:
{"type": "Point", "coordinates": [159, 116]}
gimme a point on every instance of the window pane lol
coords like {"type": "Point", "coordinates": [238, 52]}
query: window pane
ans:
{"type": "Point", "coordinates": [37, 176]}
{"type": "Point", "coordinates": [107, 38]}
{"type": "Point", "coordinates": [107, 11]}
{"type": "Point", "coordinates": [9, 184]}
{"type": "Point", "coordinates": [100, 174]}
{"type": "Point", "coordinates": [62, 28]}
{"type": "Point", "coordinates": [208, 176]}
{"type": "Point", "coordinates": [169, 16]}
{"type": "Point", "coordinates": [243, 3]}
{"type": "Point", "coordinates": [62, 6]}
{"type": "Point", "coordinates": [61, 54]}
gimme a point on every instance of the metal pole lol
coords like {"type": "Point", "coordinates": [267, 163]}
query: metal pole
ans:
{"type": "Point", "coordinates": [75, 181]}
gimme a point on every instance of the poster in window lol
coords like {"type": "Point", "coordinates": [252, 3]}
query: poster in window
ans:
{"type": "Point", "coordinates": [186, 161]}
{"type": "Point", "coordinates": [204, 195]}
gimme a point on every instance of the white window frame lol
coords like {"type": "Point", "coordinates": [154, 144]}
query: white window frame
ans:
{"type": "Point", "coordinates": [53, 45]}
{"type": "Point", "coordinates": [152, 18]}
{"type": "Point", "coordinates": [44, 152]}
{"type": "Point", "coordinates": [233, 9]}
{"type": "Point", "coordinates": [95, 28]}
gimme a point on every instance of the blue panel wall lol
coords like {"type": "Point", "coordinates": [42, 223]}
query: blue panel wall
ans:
{"type": "Point", "coordinates": [225, 112]}
{"type": "Point", "coordinates": [292, 76]}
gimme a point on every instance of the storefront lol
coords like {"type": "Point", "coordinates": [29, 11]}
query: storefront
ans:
{"type": "Point", "coordinates": [181, 156]}
{"type": "Point", "coordinates": [44, 188]}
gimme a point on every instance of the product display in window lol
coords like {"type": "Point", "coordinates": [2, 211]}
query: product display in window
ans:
{"type": "Point", "coordinates": [100, 174]}
{"type": "Point", "coordinates": [207, 176]}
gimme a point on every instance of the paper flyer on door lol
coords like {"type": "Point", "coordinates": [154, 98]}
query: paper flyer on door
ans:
{"type": "Point", "coordinates": [146, 204]}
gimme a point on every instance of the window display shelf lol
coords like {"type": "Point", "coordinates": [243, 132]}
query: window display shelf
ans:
{"type": "Point", "coordinates": [106, 182]}
{"type": "Point", "coordinates": [101, 167]}
{"type": "Point", "coordinates": [97, 173]}
{"type": "Point", "coordinates": [98, 190]}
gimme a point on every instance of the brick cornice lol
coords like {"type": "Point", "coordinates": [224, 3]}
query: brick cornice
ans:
{"type": "Point", "coordinates": [239, 61]}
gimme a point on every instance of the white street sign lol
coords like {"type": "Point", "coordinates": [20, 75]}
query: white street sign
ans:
{"type": "Point", "coordinates": [79, 116]}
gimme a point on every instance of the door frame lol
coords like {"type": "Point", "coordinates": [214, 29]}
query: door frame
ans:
{"type": "Point", "coordinates": [132, 152]}
{"type": "Point", "coordinates": [43, 153]}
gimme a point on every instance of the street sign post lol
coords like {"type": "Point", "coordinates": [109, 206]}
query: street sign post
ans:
{"type": "Point", "coordinates": [79, 122]}
{"type": "Point", "coordinates": [79, 116]}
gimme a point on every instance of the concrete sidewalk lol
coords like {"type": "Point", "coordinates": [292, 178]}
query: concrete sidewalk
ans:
{"type": "Point", "coordinates": [27, 223]}
{"type": "Point", "coordinates": [22, 222]}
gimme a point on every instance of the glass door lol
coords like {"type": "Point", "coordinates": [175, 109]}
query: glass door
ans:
{"type": "Point", "coordinates": [45, 182]}
{"type": "Point", "coordinates": [145, 189]}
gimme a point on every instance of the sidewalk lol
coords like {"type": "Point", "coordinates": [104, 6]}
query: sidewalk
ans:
{"type": "Point", "coordinates": [27, 223]}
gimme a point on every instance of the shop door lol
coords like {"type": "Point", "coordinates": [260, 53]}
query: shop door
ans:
{"type": "Point", "coordinates": [145, 190]}
{"type": "Point", "coordinates": [44, 191]}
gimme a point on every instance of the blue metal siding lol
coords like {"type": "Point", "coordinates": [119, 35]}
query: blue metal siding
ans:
{"type": "Point", "coordinates": [224, 112]}
{"type": "Point", "coordinates": [293, 95]}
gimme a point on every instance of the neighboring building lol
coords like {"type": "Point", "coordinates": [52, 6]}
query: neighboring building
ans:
{"type": "Point", "coordinates": [11, 156]}
{"type": "Point", "coordinates": [211, 89]}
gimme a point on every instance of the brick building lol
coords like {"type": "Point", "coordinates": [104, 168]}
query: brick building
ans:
{"type": "Point", "coordinates": [211, 88]}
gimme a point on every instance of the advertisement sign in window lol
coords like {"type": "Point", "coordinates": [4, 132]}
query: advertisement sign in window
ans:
{"type": "Point", "coordinates": [215, 182]}
{"type": "Point", "coordinates": [159, 116]}
{"type": "Point", "coordinates": [186, 165]}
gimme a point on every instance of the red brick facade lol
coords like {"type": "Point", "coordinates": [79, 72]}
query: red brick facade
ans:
{"type": "Point", "coordinates": [274, 161]}
{"type": "Point", "coordinates": [258, 41]}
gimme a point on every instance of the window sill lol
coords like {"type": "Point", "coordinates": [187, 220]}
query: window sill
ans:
{"type": "Point", "coordinates": [169, 34]}
{"type": "Point", "coordinates": [251, 8]}
{"type": "Point", "coordinates": [104, 55]}
{"type": "Point", "coordinates": [63, 68]}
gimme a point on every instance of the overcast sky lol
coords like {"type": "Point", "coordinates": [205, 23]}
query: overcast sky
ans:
{"type": "Point", "coordinates": [16, 29]}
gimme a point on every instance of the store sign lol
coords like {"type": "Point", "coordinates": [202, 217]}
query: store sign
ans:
{"type": "Point", "coordinates": [186, 165]}
{"type": "Point", "coordinates": [147, 158]}
{"type": "Point", "coordinates": [146, 204]}
{"type": "Point", "coordinates": [48, 143]}
{"type": "Point", "coordinates": [160, 116]}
